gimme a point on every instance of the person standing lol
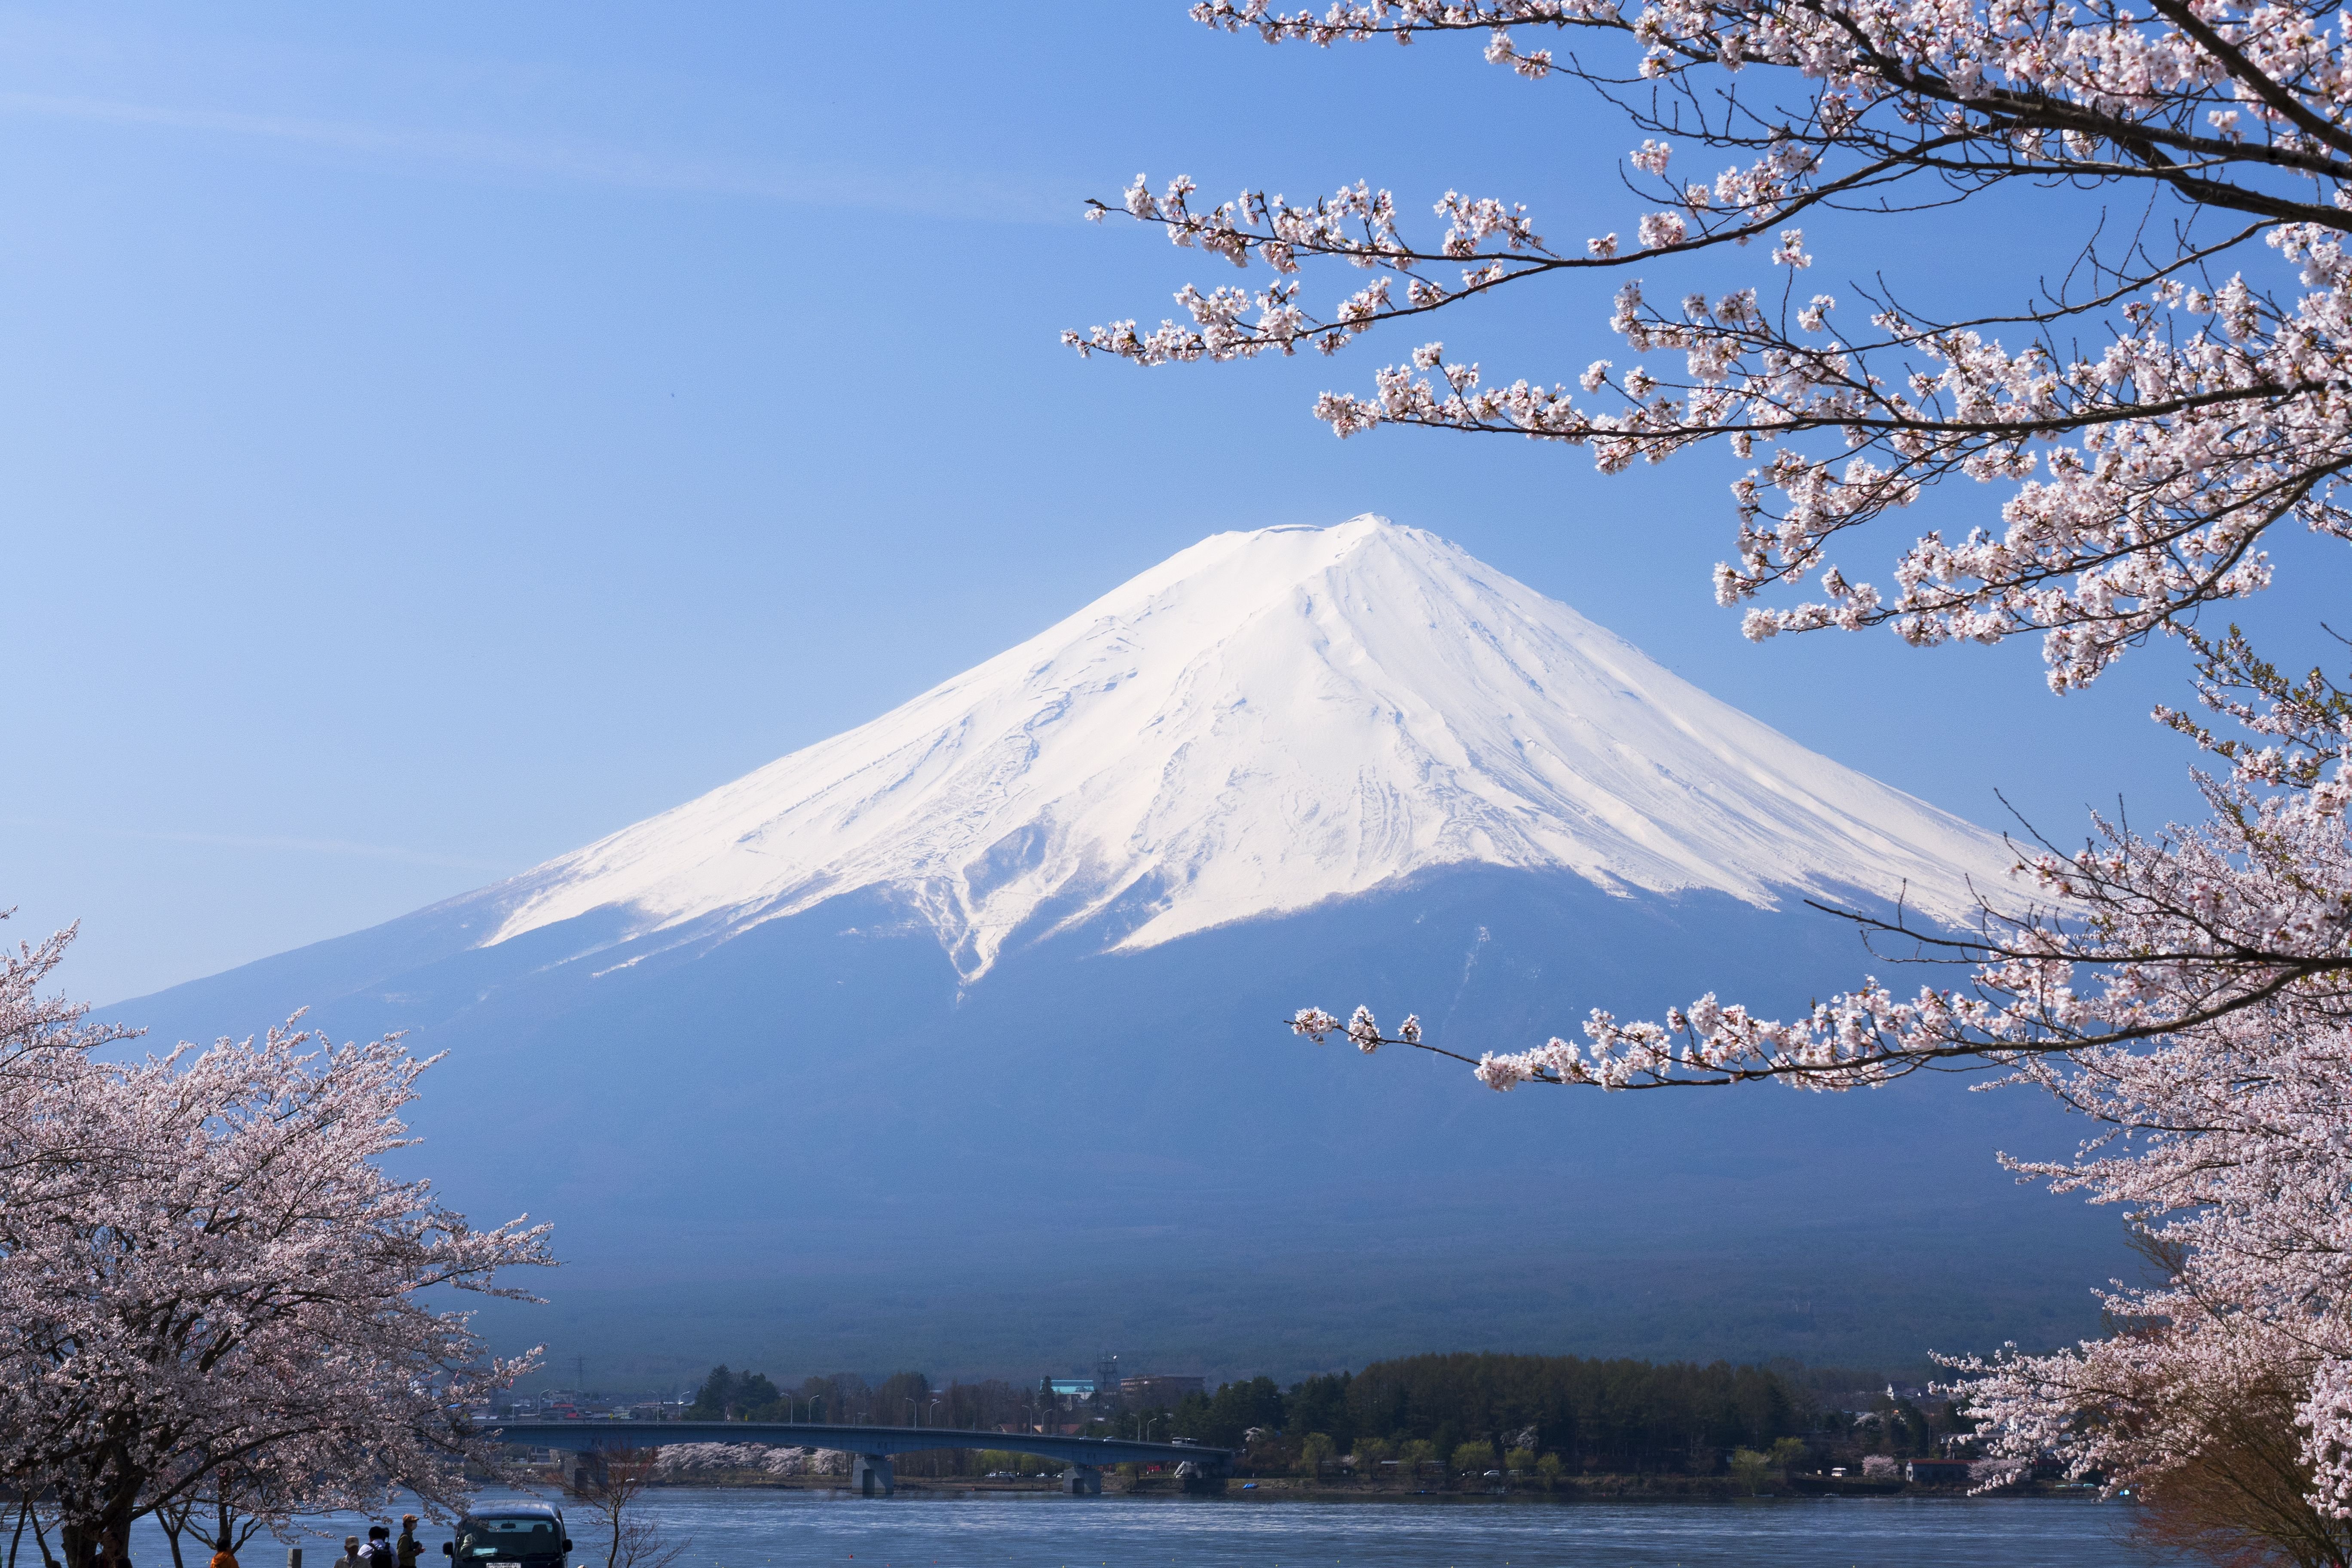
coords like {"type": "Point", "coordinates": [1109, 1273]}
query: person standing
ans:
{"type": "Point", "coordinates": [379, 1547]}
{"type": "Point", "coordinates": [351, 1557]}
{"type": "Point", "coordinates": [226, 1557]}
{"type": "Point", "coordinates": [406, 1550]}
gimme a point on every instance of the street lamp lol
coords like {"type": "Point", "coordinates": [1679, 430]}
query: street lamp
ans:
{"type": "Point", "coordinates": [911, 1402]}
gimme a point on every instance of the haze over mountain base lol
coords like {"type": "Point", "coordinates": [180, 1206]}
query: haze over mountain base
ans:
{"type": "Point", "coordinates": [810, 1148]}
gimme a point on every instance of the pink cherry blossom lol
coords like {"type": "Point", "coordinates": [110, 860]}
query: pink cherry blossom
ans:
{"type": "Point", "coordinates": [209, 1286]}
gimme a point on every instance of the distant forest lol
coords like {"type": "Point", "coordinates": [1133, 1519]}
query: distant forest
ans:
{"type": "Point", "coordinates": [902, 1399]}
{"type": "Point", "coordinates": [1561, 1414]}
{"type": "Point", "coordinates": [1624, 1418]}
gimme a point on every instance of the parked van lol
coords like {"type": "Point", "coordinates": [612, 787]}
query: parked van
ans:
{"type": "Point", "coordinates": [519, 1535]}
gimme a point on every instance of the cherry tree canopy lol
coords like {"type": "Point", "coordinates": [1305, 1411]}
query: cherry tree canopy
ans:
{"type": "Point", "coordinates": [207, 1277]}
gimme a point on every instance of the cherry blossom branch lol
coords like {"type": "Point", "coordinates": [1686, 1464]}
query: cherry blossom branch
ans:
{"type": "Point", "coordinates": [33, 1028]}
{"type": "Point", "coordinates": [2169, 452]}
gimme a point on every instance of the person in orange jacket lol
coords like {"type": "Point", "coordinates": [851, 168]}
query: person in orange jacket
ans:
{"type": "Point", "coordinates": [223, 1558]}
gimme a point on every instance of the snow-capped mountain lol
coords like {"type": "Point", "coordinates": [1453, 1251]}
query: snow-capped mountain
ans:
{"type": "Point", "coordinates": [956, 1039]}
{"type": "Point", "coordinates": [1261, 723]}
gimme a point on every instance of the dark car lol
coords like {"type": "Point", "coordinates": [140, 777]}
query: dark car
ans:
{"type": "Point", "coordinates": [526, 1534]}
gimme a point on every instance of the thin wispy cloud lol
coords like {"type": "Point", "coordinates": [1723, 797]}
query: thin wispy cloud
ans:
{"type": "Point", "coordinates": [909, 192]}
{"type": "Point", "coordinates": [342, 846]}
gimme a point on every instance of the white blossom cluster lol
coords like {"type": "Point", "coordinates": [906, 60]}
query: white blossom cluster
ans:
{"type": "Point", "coordinates": [677, 1461]}
{"type": "Point", "coordinates": [210, 1288]}
{"type": "Point", "coordinates": [1991, 1475]}
{"type": "Point", "coordinates": [2234, 1145]}
{"type": "Point", "coordinates": [2231, 1143]}
{"type": "Point", "coordinates": [1361, 1029]}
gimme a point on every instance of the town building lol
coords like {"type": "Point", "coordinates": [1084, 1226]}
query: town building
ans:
{"type": "Point", "coordinates": [1159, 1391]}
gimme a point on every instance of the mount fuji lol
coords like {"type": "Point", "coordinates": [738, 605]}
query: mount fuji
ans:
{"type": "Point", "coordinates": [955, 1039]}
{"type": "Point", "coordinates": [1263, 723]}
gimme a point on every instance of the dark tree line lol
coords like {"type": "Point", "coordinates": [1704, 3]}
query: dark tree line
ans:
{"type": "Point", "coordinates": [1568, 1415]}
{"type": "Point", "coordinates": [845, 1399]}
{"type": "Point", "coordinates": [1613, 1416]}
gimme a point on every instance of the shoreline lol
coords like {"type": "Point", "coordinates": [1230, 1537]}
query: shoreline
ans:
{"type": "Point", "coordinates": [1292, 1489]}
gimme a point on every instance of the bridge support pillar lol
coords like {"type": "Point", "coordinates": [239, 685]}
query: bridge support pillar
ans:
{"type": "Point", "coordinates": [1083, 1480]}
{"type": "Point", "coordinates": [587, 1472]}
{"type": "Point", "coordinates": [869, 1475]}
{"type": "Point", "coordinates": [1200, 1479]}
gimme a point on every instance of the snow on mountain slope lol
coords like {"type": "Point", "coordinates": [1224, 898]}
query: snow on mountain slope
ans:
{"type": "Point", "coordinates": [1263, 722]}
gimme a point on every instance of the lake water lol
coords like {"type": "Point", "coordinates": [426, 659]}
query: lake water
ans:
{"type": "Point", "coordinates": [743, 1529]}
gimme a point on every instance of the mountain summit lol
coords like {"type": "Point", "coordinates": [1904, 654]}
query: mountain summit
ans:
{"type": "Point", "coordinates": [1261, 723]}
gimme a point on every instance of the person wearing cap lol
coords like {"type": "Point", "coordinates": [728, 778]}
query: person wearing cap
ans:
{"type": "Point", "coordinates": [351, 1557]}
{"type": "Point", "coordinates": [407, 1549]}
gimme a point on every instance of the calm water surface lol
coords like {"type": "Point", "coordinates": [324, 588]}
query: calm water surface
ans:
{"type": "Point", "coordinates": [733, 1529]}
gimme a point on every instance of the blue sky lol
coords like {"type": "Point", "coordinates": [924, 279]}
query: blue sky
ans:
{"type": "Point", "coordinates": [433, 437]}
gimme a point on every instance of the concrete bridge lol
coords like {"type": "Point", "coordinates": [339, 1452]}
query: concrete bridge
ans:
{"type": "Point", "coordinates": [871, 1448]}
